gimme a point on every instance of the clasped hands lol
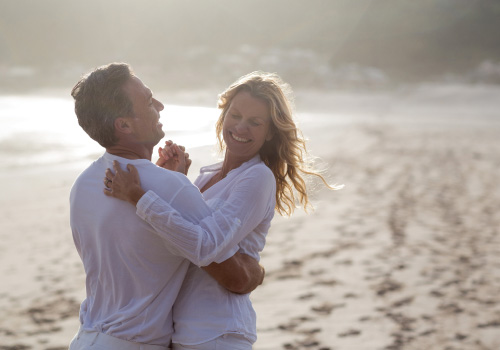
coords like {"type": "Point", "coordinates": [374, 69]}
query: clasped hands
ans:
{"type": "Point", "coordinates": [174, 157]}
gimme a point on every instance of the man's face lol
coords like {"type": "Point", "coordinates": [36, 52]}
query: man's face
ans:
{"type": "Point", "coordinates": [145, 123]}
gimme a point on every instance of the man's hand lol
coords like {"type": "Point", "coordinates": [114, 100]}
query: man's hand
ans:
{"type": "Point", "coordinates": [239, 274]}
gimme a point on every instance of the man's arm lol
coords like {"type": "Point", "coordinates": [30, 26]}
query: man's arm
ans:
{"type": "Point", "coordinates": [239, 274]}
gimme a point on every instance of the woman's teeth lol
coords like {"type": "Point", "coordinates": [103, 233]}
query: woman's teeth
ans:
{"type": "Point", "coordinates": [239, 139]}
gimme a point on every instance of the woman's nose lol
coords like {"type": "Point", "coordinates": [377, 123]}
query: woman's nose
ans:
{"type": "Point", "coordinates": [241, 126]}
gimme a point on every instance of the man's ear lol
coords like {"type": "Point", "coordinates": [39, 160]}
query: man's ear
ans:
{"type": "Point", "coordinates": [122, 125]}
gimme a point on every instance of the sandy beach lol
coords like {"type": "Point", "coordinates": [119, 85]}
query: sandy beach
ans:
{"type": "Point", "coordinates": [406, 256]}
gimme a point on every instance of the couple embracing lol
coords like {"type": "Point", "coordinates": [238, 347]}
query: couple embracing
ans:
{"type": "Point", "coordinates": [168, 263]}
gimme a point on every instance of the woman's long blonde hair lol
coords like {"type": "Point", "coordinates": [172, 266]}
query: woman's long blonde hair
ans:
{"type": "Point", "coordinates": [285, 153]}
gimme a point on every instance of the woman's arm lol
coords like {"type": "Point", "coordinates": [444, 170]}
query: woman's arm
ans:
{"type": "Point", "coordinates": [239, 274]}
{"type": "Point", "coordinates": [216, 236]}
{"type": "Point", "coordinates": [251, 202]}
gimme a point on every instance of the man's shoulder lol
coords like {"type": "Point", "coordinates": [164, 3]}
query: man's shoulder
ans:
{"type": "Point", "coordinates": [156, 178]}
{"type": "Point", "coordinates": [151, 169]}
{"type": "Point", "coordinates": [90, 171]}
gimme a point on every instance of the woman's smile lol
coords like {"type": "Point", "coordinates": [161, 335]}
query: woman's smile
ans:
{"type": "Point", "coordinates": [239, 139]}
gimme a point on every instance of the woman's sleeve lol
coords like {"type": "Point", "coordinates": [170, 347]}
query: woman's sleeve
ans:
{"type": "Point", "coordinates": [215, 237]}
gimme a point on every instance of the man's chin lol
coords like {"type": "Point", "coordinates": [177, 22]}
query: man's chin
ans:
{"type": "Point", "coordinates": [155, 141]}
{"type": "Point", "coordinates": [160, 136]}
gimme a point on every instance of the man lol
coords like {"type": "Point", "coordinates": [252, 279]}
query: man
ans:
{"type": "Point", "coordinates": [133, 276]}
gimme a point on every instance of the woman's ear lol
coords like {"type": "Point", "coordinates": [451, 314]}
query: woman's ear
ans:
{"type": "Point", "coordinates": [270, 134]}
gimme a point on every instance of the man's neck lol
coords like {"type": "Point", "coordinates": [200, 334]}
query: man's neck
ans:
{"type": "Point", "coordinates": [130, 153]}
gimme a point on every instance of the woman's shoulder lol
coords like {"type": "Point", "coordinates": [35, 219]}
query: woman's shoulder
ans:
{"type": "Point", "coordinates": [211, 168]}
{"type": "Point", "coordinates": [260, 171]}
{"type": "Point", "coordinates": [261, 167]}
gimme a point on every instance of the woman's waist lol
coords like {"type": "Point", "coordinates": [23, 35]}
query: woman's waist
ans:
{"type": "Point", "coordinates": [205, 309]}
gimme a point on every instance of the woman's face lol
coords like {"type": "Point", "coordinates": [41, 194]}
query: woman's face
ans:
{"type": "Point", "coordinates": [247, 125]}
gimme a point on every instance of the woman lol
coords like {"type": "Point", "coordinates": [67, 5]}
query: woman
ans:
{"type": "Point", "coordinates": [261, 172]}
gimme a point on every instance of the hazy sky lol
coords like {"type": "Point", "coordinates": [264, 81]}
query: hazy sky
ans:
{"type": "Point", "coordinates": [404, 38]}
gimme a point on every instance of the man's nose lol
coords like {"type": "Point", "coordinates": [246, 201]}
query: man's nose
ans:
{"type": "Point", "coordinates": [159, 105]}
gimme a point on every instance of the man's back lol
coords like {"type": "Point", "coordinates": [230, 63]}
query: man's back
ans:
{"type": "Point", "coordinates": [133, 278]}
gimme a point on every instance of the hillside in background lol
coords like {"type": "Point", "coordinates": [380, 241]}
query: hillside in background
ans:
{"type": "Point", "coordinates": [197, 43]}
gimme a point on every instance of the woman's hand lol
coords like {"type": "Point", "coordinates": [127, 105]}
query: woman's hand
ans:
{"type": "Point", "coordinates": [124, 185]}
{"type": "Point", "coordinates": [173, 157]}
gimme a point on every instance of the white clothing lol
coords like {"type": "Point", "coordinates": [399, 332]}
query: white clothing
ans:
{"type": "Point", "coordinates": [84, 340]}
{"type": "Point", "coordinates": [205, 310]}
{"type": "Point", "coordinates": [133, 276]}
{"type": "Point", "coordinates": [224, 342]}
